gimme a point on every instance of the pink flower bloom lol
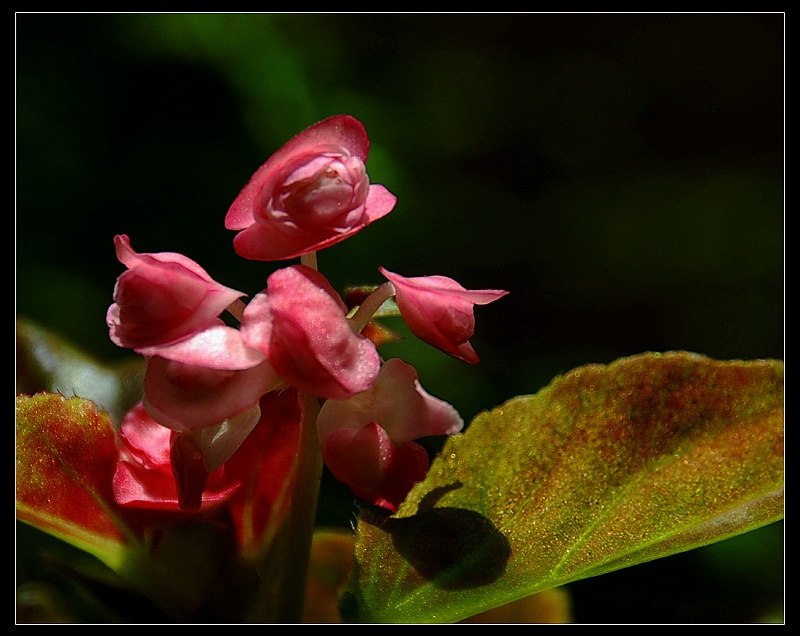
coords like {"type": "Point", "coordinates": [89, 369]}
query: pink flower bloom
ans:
{"type": "Point", "coordinates": [162, 476]}
{"type": "Point", "coordinates": [440, 311]}
{"type": "Point", "coordinates": [367, 439]}
{"type": "Point", "coordinates": [162, 298]}
{"type": "Point", "coordinates": [300, 324]}
{"type": "Point", "coordinates": [312, 193]}
{"type": "Point", "coordinates": [143, 478]}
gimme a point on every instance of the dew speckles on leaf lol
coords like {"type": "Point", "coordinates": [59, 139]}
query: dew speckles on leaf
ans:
{"type": "Point", "coordinates": [616, 465]}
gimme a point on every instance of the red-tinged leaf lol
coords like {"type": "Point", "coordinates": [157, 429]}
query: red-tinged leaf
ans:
{"type": "Point", "coordinates": [190, 570]}
{"type": "Point", "coordinates": [265, 465]}
{"type": "Point", "coordinates": [66, 452]}
{"type": "Point", "coordinates": [607, 467]}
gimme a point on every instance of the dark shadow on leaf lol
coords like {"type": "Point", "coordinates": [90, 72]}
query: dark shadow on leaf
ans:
{"type": "Point", "coordinates": [454, 548]}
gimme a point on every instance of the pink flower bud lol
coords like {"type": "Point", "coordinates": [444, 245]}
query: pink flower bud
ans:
{"type": "Point", "coordinates": [377, 470]}
{"type": "Point", "coordinates": [367, 438]}
{"type": "Point", "coordinates": [440, 311]}
{"type": "Point", "coordinates": [312, 193]}
{"type": "Point", "coordinates": [162, 298]}
{"type": "Point", "coordinates": [299, 323]}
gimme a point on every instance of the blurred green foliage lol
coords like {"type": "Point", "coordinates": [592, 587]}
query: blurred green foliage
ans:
{"type": "Point", "coordinates": [620, 174]}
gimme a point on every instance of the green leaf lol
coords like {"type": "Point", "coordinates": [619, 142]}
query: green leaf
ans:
{"type": "Point", "coordinates": [331, 563]}
{"type": "Point", "coordinates": [607, 467]}
{"type": "Point", "coordinates": [65, 457]}
{"type": "Point", "coordinates": [47, 363]}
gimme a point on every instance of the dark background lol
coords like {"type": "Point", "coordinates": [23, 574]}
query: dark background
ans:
{"type": "Point", "coordinates": [620, 174]}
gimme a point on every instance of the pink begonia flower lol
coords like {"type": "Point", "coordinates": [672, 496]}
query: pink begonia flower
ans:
{"type": "Point", "coordinates": [160, 478]}
{"type": "Point", "coordinates": [312, 193]}
{"type": "Point", "coordinates": [162, 298]}
{"type": "Point", "coordinates": [440, 311]}
{"type": "Point", "coordinates": [143, 478]}
{"type": "Point", "coordinates": [300, 324]}
{"type": "Point", "coordinates": [367, 439]}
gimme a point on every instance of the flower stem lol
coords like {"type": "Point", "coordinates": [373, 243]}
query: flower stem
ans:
{"type": "Point", "coordinates": [301, 517]}
{"type": "Point", "coordinates": [371, 304]}
{"type": "Point", "coordinates": [284, 568]}
{"type": "Point", "coordinates": [282, 595]}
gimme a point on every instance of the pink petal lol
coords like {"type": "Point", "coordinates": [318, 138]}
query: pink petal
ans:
{"type": "Point", "coordinates": [445, 286]}
{"type": "Point", "coordinates": [263, 242]}
{"type": "Point", "coordinates": [217, 347]}
{"type": "Point", "coordinates": [359, 458]}
{"type": "Point", "coordinates": [185, 397]}
{"type": "Point", "coordinates": [410, 464]}
{"type": "Point", "coordinates": [397, 402]}
{"type": "Point", "coordinates": [130, 258]}
{"type": "Point", "coordinates": [375, 469]}
{"type": "Point", "coordinates": [145, 438]}
{"type": "Point", "coordinates": [301, 326]}
{"type": "Point", "coordinates": [138, 487]}
{"type": "Point", "coordinates": [143, 479]}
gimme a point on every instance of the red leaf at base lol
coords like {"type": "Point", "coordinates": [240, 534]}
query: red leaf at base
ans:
{"type": "Point", "coordinates": [65, 459]}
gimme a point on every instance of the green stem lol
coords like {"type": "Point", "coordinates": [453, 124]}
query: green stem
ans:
{"type": "Point", "coordinates": [371, 304]}
{"type": "Point", "coordinates": [281, 596]}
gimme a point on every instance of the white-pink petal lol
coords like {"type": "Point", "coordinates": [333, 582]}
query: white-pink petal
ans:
{"type": "Point", "coordinates": [217, 347]}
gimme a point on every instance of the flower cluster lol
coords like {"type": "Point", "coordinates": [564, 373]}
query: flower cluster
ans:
{"type": "Point", "coordinates": [208, 386]}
